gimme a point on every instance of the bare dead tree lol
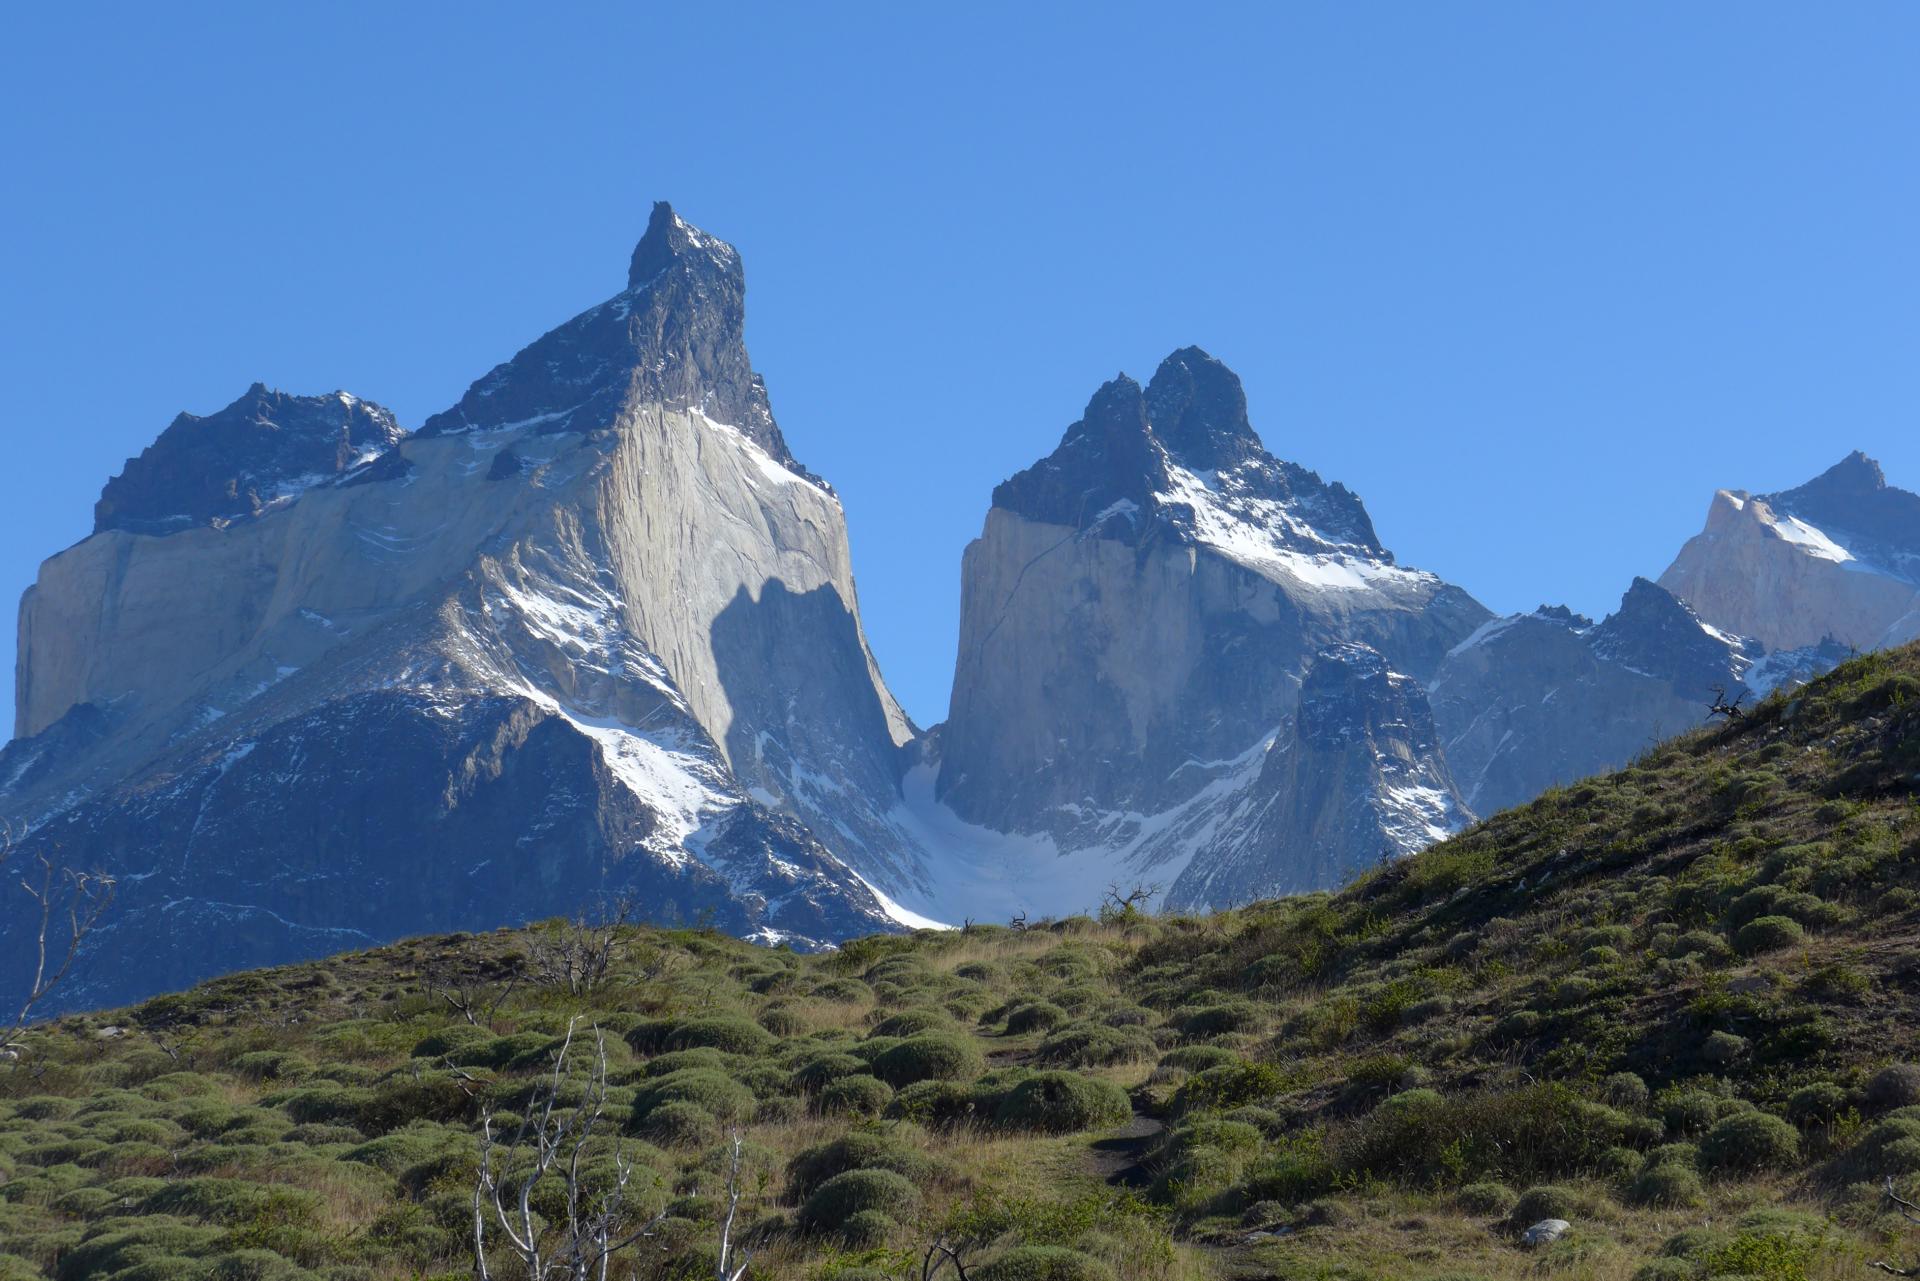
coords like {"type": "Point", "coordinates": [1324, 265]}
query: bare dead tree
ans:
{"type": "Point", "coordinates": [68, 905]}
{"type": "Point", "coordinates": [551, 1148]}
{"type": "Point", "coordinates": [1721, 707]}
{"type": "Point", "coordinates": [939, 1254]}
{"type": "Point", "coordinates": [579, 953]}
{"type": "Point", "coordinates": [1128, 906]}
{"type": "Point", "coordinates": [479, 1003]}
{"type": "Point", "coordinates": [1019, 923]}
{"type": "Point", "coordinates": [723, 1269]}
{"type": "Point", "coordinates": [1906, 1210]}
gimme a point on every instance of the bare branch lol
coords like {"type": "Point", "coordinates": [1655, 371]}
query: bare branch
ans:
{"type": "Point", "coordinates": [69, 905]}
{"type": "Point", "coordinates": [1721, 707]}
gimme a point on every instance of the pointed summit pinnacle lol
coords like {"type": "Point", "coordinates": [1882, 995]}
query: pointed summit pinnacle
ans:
{"type": "Point", "coordinates": [669, 239]}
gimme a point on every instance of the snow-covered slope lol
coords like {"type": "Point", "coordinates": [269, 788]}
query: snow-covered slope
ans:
{"type": "Point", "coordinates": [1136, 620]}
{"type": "Point", "coordinates": [1836, 559]}
{"type": "Point", "coordinates": [593, 632]}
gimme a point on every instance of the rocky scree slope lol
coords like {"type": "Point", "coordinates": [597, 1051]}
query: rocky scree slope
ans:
{"type": "Point", "coordinates": [591, 634]}
{"type": "Point", "coordinates": [1671, 1006]}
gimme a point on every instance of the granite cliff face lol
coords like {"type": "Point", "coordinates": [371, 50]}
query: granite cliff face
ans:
{"type": "Point", "coordinates": [591, 632]}
{"type": "Point", "coordinates": [1836, 559]}
{"type": "Point", "coordinates": [1137, 618]}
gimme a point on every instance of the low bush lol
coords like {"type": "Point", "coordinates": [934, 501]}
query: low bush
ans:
{"type": "Point", "coordinates": [1896, 1085]}
{"type": "Point", "coordinates": [930, 1056]}
{"type": "Point", "coordinates": [845, 1195]}
{"type": "Point", "coordinates": [679, 1124]}
{"type": "Point", "coordinates": [1486, 1198]}
{"type": "Point", "coordinates": [1749, 1142]}
{"type": "Point", "coordinates": [860, 1150]}
{"type": "Point", "coordinates": [1768, 934]}
{"type": "Point", "coordinates": [718, 1095]}
{"type": "Point", "coordinates": [1547, 1201]}
{"type": "Point", "coordinates": [862, 1096]}
{"type": "Point", "coordinates": [1034, 1016]}
{"type": "Point", "coordinates": [1095, 1045]}
{"type": "Point", "coordinates": [1062, 1103]}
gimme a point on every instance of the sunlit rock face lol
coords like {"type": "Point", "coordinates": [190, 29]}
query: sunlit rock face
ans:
{"type": "Point", "coordinates": [1836, 559]}
{"type": "Point", "coordinates": [590, 633]}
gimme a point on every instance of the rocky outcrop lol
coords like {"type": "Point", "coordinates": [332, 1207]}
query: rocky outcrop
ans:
{"type": "Point", "coordinates": [1136, 620]}
{"type": "Point", "coordinates": [442, 692]}
{"type": "Point", "coordinates": [259, 452]}
{"type": "Point", "coordinates": [1835, 559]}
{"type": "Point", "coordinates": [1538, 700]}
{"type": "Point", "coordinates": [1355, 779]}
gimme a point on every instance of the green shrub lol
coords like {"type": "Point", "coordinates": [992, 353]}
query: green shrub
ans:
{"type": "Point", "coordinates": [868, 1228]}
{"type": "Point", "coordinates": [1062, 1103]}
{"type": "Point", "coordinates": [1044, 1263]}
{"type": "Point", "coordinates": [1668, 1185]}
{"type": "Point", "coordinates": [860, 1150]}
{"type": "Point", "coordinates": [1034, 1016]}
{"type": "Point", "coordinates": [719, 1095]}
{"type": "Point", "coordinates": [1896, 1085]}
{"type": "Point", "coordinates": [1486, 1198]}
{"type": "Point", "coordinates": [680, 1060]}
{"type": "Point", "coordinates": [845, 1195]}
{"type": "Point", "coordinates": [930, 1056]}
{"type": "Point", "coordinates": [1817, 1104]}
{"type": "Point", "coordinates": [680, 1125]}
{"type": "Point", "coordinates": [1198, 1058]}
{"type": "Point", "coordinates": [1217, 1020]}
{"type": "Point", "coordinates": [1095, 1045]}
{"type": "Point", "coordinates": [783, 1021]}
{"type": "Point", "coordinates": [933, 1103]}
{"type": "Point", "coordinates": [844, 991]}
{"type": "Point", "coordinates": [731, 1034]}
{"type": "Point", "coordinates": [816, 1074]}
{"type": "Point", "coordinates": [863, 1096]}
{"type": "Point", "coordinates": [1768, 934]}
{"type": "Point", "coordinates": [1625, 1090]}
{"type": "Point", "coordinates": [1547, 1201]}
{"type": "Point", "coordinates": [1749, 1142]}
{"type": "Point", "coordinates": [451, 1040]}
{"type": "Point", "coordinates": [912, 1023]}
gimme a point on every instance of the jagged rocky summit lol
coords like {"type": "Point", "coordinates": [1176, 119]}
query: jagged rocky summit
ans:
{"type": "Point", "coordinates": [590, 633]}
{"type": "Point", "coordinates": [1137, 619]}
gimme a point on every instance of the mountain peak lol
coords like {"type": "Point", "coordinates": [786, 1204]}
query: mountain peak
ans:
{"type": "Point", "coordinates": [1199, 410]}
{"type": "Point", "coordinates": [1854, 474]}
{"type": "Point", "coordinates": [263, 448]}
{"type": "Point", "coordinates": [669, 239]}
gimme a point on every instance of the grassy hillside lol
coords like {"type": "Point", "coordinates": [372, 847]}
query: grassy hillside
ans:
{"type": "Point", "coordinates": [1675, 1007]}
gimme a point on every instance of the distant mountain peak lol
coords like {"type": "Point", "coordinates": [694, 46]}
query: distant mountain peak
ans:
{"type": "Point", "coordinates": [673, 338]}
{"type": "Point", "coordinates": [1199, 410]}
{"type": "Point", "coordinates": [671, 239]}
{"type": "Point", "coordinates": [1181, 457]}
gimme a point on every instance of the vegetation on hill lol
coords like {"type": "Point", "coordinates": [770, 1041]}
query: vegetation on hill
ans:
{"type": "Point", "coordinates": [1675, 1007]}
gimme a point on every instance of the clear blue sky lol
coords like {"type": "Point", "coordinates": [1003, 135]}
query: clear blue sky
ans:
{"type": "Point", "coordinates": [1533, 279]}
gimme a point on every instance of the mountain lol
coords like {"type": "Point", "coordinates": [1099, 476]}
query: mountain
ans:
{"type": "Point", "coordinates": [590, 634]}
{"type": "Point", "coordinates": [1137, 618]}
{"type": "Point", "coordinates": [1837, 558]}
{"type": "Point", "coordinates": [1671, 1006]}
{"type": "Point", "coordinates": [1356, 777]}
